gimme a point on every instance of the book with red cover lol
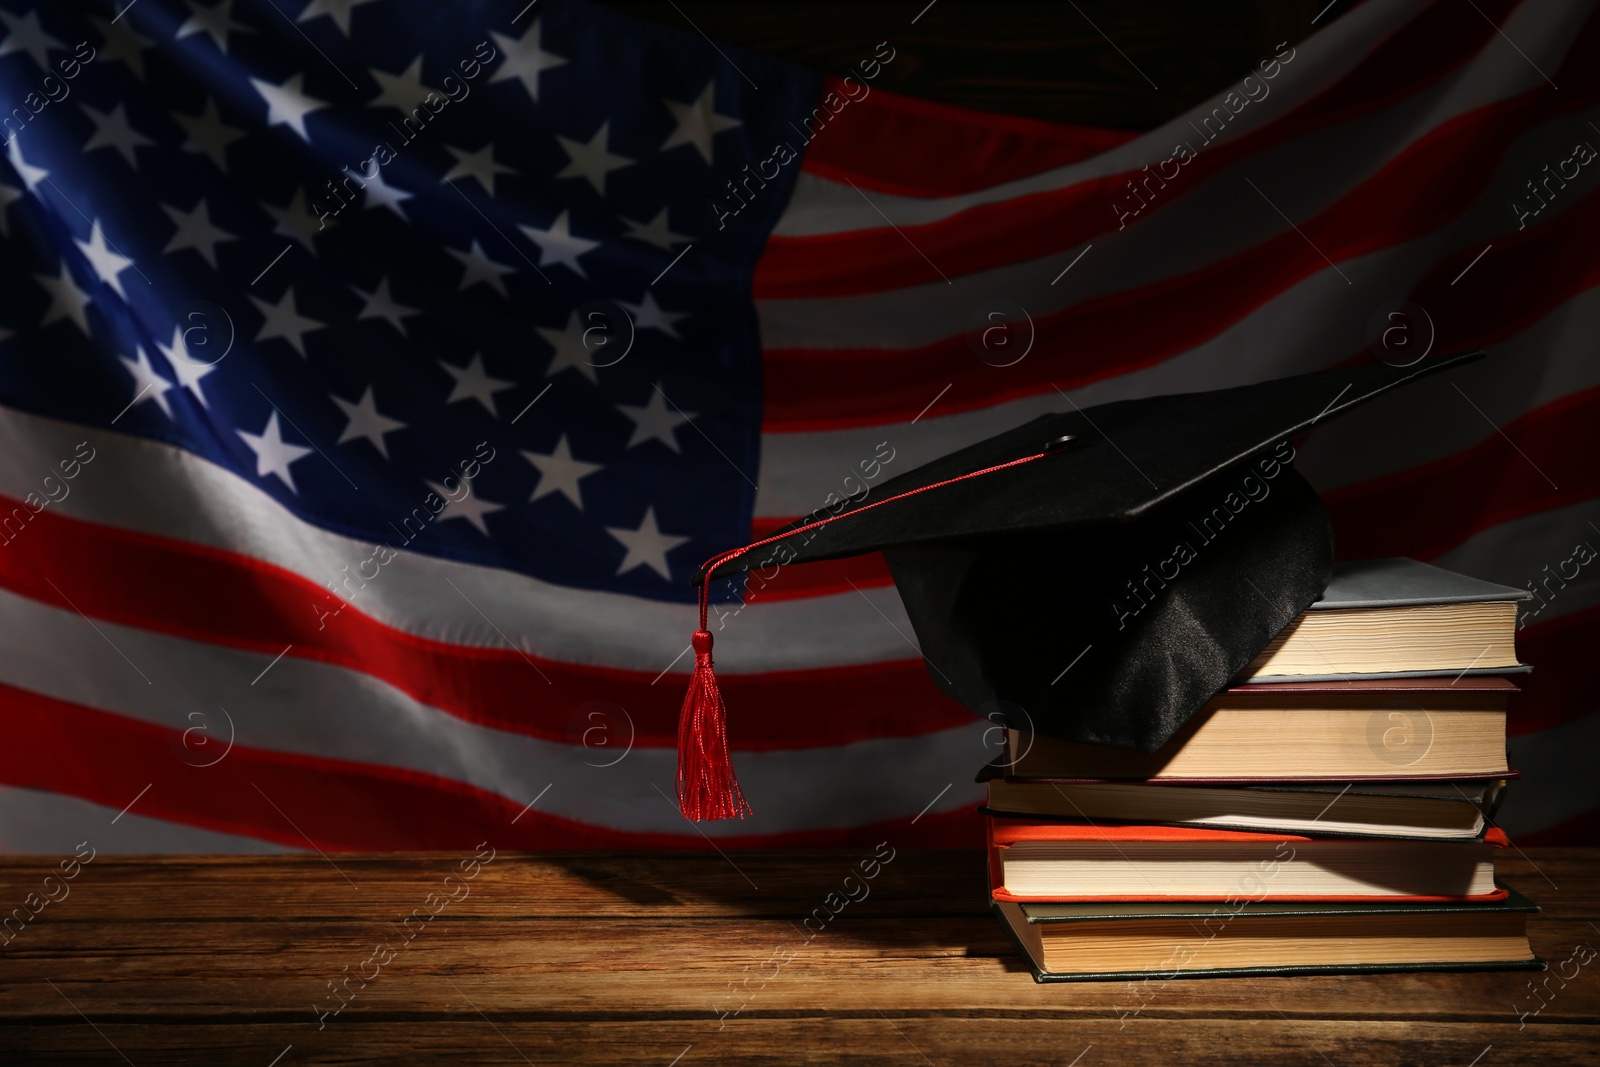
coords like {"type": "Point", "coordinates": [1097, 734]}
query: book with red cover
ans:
{"type": "Point", "coordinates": [1039, 861]}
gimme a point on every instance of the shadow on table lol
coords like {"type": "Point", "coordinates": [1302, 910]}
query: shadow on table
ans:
{"type": "Point", "coordinates": [917, 899]}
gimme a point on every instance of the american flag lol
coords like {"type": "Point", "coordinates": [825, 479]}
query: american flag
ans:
{"type": "Point", "coordinates": [375, 373]}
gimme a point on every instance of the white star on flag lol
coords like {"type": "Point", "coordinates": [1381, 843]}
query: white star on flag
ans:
{"type": "Point", "coordinates": [31, 176]}
{"type": "Point", "coordinates": [647, 315]}
{"type": "Point", "coordinates": [215, 22]}
{"type": "Point", "coordinates": [273, 453]}
{"type": "Point", "coordinates": [106, 262]}
{"type": "Point", "coordinates": [208, 134]}
{"type": "Point", "coordinates": [380, 305]}
{"type": "Point", "coordinates": [403, 91]}
{"type": "Point", "coordinates": [24, 34]}
{"type": "Point", "coordinates": [287, 104]}
{"type": "Point", "coordinates": [525, 60]}
{"type": "Point", "coordinates": [67, 301]}
{"type": "Point", "coordinates": [294, 221]}
{"type": "Point", "coordinates": [196, 231]}
{"type": "Point", "coordinates": [570, 351]}
{"type": "Point", "coordinates": [120, 42]}
{"type": "Point", "coordinates": [591, 161]}
{"type": "Point", "coordinates": [478, 267]}
{"type": "Point", "coordinates": [559, 245]}
{"type": "Point", "coordinates": [470, 506]}
{"type": "Point", "coordinates": [111, 130]}
{"type": "Point", "coordinates": [185, 368]}
{"type": "Point", "coordinates": [337, 10]}
{"type": "Point", "coordinates": [560, 473]}
{"type": "Point", "coordinates": [698, 122]}
{"type": "Point", "coordinates": [655, 232]}
{"type": "Point", "coordinates": [647, 546]}
{"type": "Point", "coordinates": [147, 384]}
{"type": "Point", "coordinates": [366, 422]}
{"type": "Point", "coordinates": [380, 194]}
{"type": "Point", "coordinates": [480, 165]}
{"type": "Point", "coordinates": [474, 383]}
{"type": "Point", "coordinates": [284, 320]}
{"type": "Point", "coordinates": [656, 421]}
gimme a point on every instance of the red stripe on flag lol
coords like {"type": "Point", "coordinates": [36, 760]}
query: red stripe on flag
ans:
{"type": "Point", "coordinates": [897, 144]}
{"type": "Point", "coordinates": [210, 595]}
{"type": "Point", "coordinates": [1563, 685]}
{"type": "Point", "coordinates": [337, 804]}
{"type": "Point", "coordinates": [823, 578]}
{"type": "Point", "coordinates": [1429, 185]}
{"type": "Point", "coordinates": [987, 236]}
{"type": "Point", "coordinates": [1541, 461]}
{"type": "Point", "coordinates": [1525, 275]}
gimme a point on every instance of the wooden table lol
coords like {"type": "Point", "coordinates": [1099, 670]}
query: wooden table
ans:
{"type": "Point", "coordinates": [689, 959]}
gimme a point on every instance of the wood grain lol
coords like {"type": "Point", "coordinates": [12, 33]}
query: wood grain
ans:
{"type": "Point", "coordinates": [890, 1042]}
{"type": "Point", "coordinates": [632, 958]}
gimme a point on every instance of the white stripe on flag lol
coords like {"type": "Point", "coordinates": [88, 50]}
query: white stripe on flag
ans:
{"type": "Point", "coordinates": [314, 709]}
{"type": "Point", "coordinates": [161, 489]}
{"type": "Point", "coordinates": [1273, 341]}
{"type": "Point", "coordinates": [38, 823]}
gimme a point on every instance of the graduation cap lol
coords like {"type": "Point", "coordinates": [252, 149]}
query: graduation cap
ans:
{"type": "Point", "coordinates": [1096, 574]}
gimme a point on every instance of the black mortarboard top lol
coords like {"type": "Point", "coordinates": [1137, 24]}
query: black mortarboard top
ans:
{"type": "Point", "coordinates": [1095, 575]}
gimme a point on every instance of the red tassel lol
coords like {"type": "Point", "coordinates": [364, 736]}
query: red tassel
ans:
{"type": "Point", "coordinates": [707, 788]}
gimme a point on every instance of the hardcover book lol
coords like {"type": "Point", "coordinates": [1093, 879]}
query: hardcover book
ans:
{"type": "Point", "coordinates": [1109, 941]}
{"type": "Point", "coordinates": [1052, 861]}
{"type": "Point", "coordinates": [1396, 618]}
{"type": "Point", "coordinates": [1371, 728]}
{"type": "Point", "coordinates": [1454, 810]}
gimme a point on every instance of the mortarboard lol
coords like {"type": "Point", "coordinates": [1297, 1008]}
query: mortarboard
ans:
{"type": "Point", "coordinates": [1095, 575]}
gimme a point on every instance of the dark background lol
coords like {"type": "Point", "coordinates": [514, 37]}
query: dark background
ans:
{"type": "Point", "coordinates": [1042, 60]}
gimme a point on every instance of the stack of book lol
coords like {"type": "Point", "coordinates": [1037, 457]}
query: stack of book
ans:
{"type": "Point", "coordinates": [1331, 811]}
